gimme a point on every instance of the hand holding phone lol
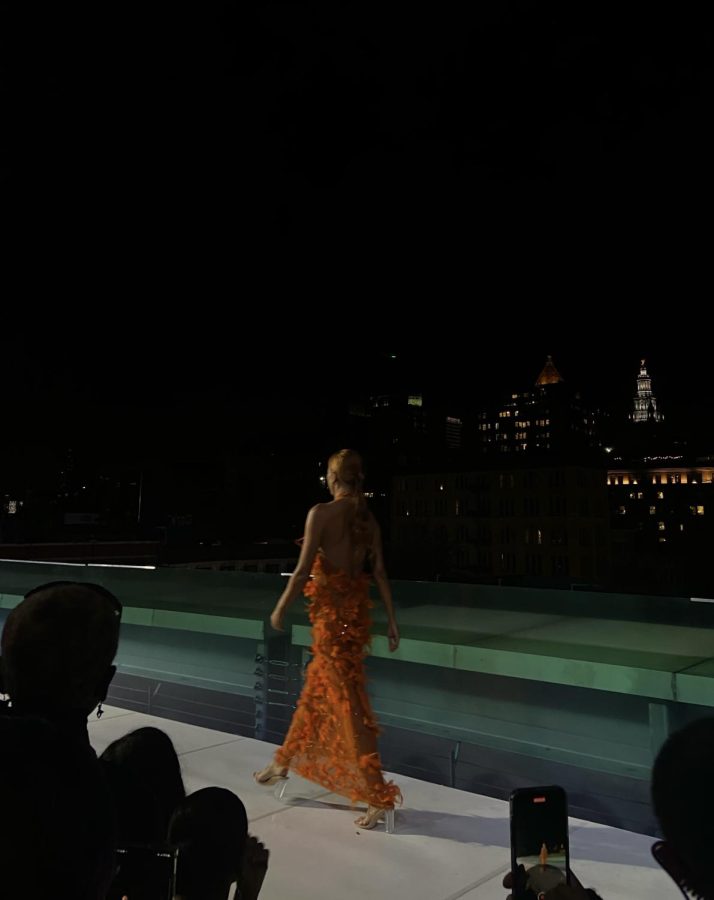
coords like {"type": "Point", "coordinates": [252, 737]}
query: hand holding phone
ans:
{"type": "Point", "coordinates": [540, 855]}
{"type": "Point", "coordinates": [574, 890]}
{"type": "Point", "coordinates": [144, 873]}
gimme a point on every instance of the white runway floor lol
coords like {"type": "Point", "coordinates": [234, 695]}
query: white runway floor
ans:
{"type": "Point", "coordinates": [448, 844]}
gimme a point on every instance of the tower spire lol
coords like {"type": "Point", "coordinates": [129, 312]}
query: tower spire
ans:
{"type": "Point", "coordinates": [645, 401]}
{"type": "Point", "coordinates": [549, 375]}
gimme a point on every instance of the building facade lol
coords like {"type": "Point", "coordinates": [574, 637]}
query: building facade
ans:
{"type": "Point", "coordinates": [547, 419]}
{"type": "Point", "coordinates": [534, 524]}
{"type": "Point", "coordinates": [662, 515]}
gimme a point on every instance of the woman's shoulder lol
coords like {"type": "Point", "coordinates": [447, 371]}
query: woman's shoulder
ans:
{"type": "Point", "coordinates": [320, 511]}
{"type": "Point", "coordinates": [325, 513]}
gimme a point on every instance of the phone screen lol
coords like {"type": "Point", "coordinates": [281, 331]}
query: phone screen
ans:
{"type": "Point", "coordinates": [144, 873]}
{"type": "Point", "coordinates": [539, 839]}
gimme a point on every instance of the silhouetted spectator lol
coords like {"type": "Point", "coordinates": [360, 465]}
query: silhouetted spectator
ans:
{"type": "Point", "coordinates": [210, 830]}
{"type": "Point", "coordinates": [58, 647]}
{"type": "Point", "coordinates": [57, 830]}
{"type": "Point", "coordinates": [683, 799]}
{"type": "Point", "coordinates": [148, 758]}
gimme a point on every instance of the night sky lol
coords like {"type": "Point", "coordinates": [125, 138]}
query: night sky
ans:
{"type": "Point", "coordinates": [222, 124]}
{"type": "Point", "coordinates": [230, 217]}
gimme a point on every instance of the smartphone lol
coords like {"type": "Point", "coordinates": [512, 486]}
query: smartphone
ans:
{"type": "Point", "coordinates": [144, 873]}
{"type": "Point", "coordinates": [539, 841]}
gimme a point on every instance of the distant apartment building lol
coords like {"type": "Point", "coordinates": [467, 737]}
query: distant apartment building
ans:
{"type": "Point", "coordinates": [533, 523]}
{"type": "Point", "coordinates": [549, 418]}
{"type": "Point", "coordinates": [662, 514]}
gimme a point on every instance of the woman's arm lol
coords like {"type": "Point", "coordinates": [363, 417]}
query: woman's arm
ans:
{"type": "Point", "coordinates": [385, 591]}
{"type": "Point", "coordinates": [298, 579]}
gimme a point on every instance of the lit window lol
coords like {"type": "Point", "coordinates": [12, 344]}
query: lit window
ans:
{"type": "Point", "coordinates": [11, 507]}
{"type": "Point", "coordinates": [663, 540]}
{"type": "Point", "coordinates": [632, 495]}
{"type": "Point", "coordinates": [414, 400]}
{"type": "Point", "coordinates": [660, 495]}
{"type": "Point", "coordinates": [539, 536]}
{"type": "Point", "coordinates": [457, 507]}
{"type": "Point", "coordinates": [640, 495]}
{"type": "Point", "coordinates": [700, 510]}
{"type": "Point", "coordinates": [441, 487]}
{"type": "Point", "coordinates": [653, 510]}
{"type": "Point", "coordinates": [661, 526]}
{"type": "Point", "coordinates": [622, 510]}
{"type": "Point", "coordinates": [681, 527]}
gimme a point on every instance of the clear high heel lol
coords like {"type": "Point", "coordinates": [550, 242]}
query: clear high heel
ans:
{"type": "Point", "coordinates": [270, 775]}
{"type": "Point", "coordinates": [374, 815]}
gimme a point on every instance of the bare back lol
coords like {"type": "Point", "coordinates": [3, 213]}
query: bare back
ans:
{"type": "Point", "coordinates": [329, 531]}
{"type": "Point", "coordinates": [336, 542]}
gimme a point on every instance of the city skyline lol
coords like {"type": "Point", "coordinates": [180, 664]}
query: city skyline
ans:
{"type": "Point", "coordinates": [88, 386]}
{"type": "Point", "coordinates": [204, 450]}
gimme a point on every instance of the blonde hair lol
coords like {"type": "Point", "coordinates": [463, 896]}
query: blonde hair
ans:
{"type": "Point", "coordinates": [346, 465]}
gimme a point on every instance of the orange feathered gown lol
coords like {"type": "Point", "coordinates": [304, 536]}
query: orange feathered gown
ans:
{"type": "Point", "coordinates": [332, 739]}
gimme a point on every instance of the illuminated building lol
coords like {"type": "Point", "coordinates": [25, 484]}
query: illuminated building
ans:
{"type": "Point", "coordinates": [662, 518]}
{"type": "Point", "coordinates": [645, 401]}
{"type": "Point", "coordinates": [546, 419]}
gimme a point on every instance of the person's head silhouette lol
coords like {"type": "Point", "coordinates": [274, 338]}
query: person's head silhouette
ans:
{"type": "Point", "coordinates": [58, 646]}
